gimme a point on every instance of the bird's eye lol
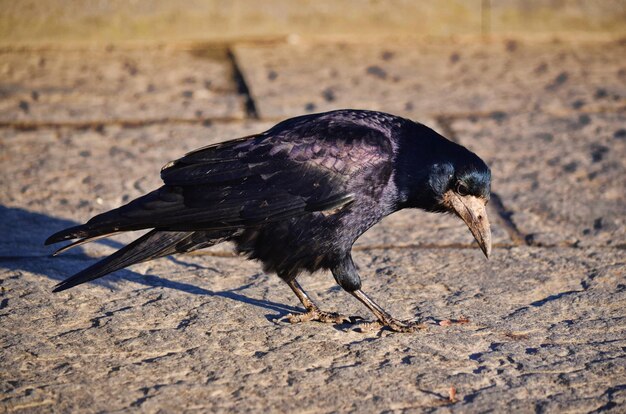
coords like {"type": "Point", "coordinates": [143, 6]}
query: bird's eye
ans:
{"type": "Point", "coordinates": [461, 189]}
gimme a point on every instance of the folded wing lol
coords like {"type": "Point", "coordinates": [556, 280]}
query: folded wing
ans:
{"type": "Point", "coordinates": [287, 171]}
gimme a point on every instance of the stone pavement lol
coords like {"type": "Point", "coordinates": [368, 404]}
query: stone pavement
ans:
{"type": "Point", "coordinates": [539, 327]}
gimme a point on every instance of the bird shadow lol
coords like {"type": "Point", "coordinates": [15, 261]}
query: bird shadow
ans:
{"type": "Point", "coordinates": [24, 233]}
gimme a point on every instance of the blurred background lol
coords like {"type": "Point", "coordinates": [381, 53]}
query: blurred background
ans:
{"type": "Point", "coordinates": [161, 20]}
{"type": "Point", "coordinates": [95, 96]}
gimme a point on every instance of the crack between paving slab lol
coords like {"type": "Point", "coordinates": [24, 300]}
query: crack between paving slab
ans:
{"type": "Point", "coordinates": [242, 86]}
{"type": "Point", "coordinates": [423, 246]}
{"type": "Point", "coordinates": [253, 41]}
{"type": "Point", "coordinates": [124, 123]}
{"type": "Point", "coordinates": [228, 254]}
{"type": "Point", "coordinates": [418, 246]}
{"type": "Point", "coordinates": [504, 217]}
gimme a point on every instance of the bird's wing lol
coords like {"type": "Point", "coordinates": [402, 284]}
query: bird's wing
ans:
{"type": "Point", "coordinates": [275, 175]}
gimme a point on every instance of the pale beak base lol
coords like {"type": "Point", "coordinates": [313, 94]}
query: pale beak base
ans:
{"type": "Point", "coordinates": [473, 211]}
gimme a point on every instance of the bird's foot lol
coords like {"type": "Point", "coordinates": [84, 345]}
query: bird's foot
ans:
{"type": "Point", "coordinates": [394, 325]}
{"type": "Point", "coordinates": [318, 315]}
{"type": "Point", "coordinates": [403, 326]}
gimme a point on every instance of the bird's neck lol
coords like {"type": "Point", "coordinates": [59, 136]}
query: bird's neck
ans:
{"type": "Point", "coordinates": [419, 156]}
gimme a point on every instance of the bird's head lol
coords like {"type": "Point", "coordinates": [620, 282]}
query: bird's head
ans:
{"type": "Point", "coordinates": [466, 195]}
{"type": "Point", "coordinates": [441, 176]}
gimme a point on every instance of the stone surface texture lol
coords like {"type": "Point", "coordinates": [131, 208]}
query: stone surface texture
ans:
{"type": "Point", "coordinates": [566, 182]}
{"type": "Point", "coordinates": [541, 327]}
{"type": "Point", "coordinates": [439, 77]}
{"type": "Point", "coordinates": [102, 85]}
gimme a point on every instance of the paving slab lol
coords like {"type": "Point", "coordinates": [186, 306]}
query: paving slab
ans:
{"type": "Point", "coordinates": [434, 77]}
{"type": "Point", "coordinates": [562, 178]}
{"type": "Point", "coordinates": [544, 329]}
{"type": "Point", "coordinates": [54, 178]}
{"type": "Point", "coordinates": [98, 85]}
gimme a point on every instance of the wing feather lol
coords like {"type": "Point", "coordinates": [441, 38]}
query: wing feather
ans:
{"type": "Point", "coordinates": [284, 172]}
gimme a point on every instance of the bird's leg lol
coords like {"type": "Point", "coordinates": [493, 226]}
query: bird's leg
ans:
{"type": "Point", "coordinates": [384, 318]}
{"type": "Point", "coordinates": [348, 278]}
{"type": "Point", "coordinates": [313, 313]}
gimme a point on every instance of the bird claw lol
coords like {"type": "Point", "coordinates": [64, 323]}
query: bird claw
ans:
{"type": "Point", "coordinates": [320, 316]}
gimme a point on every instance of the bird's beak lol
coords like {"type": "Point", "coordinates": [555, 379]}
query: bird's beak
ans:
{"type": "Point", "coordinates": [472, 210]}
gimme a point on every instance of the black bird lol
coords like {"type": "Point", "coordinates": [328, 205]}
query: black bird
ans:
{"type": "Point", "coordinates": [296, 197]}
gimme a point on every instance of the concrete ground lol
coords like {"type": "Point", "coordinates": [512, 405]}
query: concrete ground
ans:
{"type": "Point", "coordinates": [541, 327]}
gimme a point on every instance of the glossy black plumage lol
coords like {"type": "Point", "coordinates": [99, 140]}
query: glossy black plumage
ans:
{"type": "Point", "coordinates": [295, 197]}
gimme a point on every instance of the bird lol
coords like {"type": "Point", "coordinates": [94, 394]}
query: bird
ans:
{"type": "Point", "coordinates": [295, 198]}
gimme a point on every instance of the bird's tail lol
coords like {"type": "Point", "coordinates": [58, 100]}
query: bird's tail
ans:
{"type": "Point", "coordinates": [151, 245]}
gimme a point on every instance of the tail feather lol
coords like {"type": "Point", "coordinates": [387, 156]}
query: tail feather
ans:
{"type": "Point", "coordinates": [151, 245]}
{"type": "Point", "coordinates": [76, 232]}
{"type": "Point", "coordinates": [116, 220]}
{"type": "Point", "coordinates": [81, 242]}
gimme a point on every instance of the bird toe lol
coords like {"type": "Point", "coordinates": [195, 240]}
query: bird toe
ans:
{"type": "Point", "coordinates": [321, 316]}
{"type": "Point", "coordinates": [392, 325]}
